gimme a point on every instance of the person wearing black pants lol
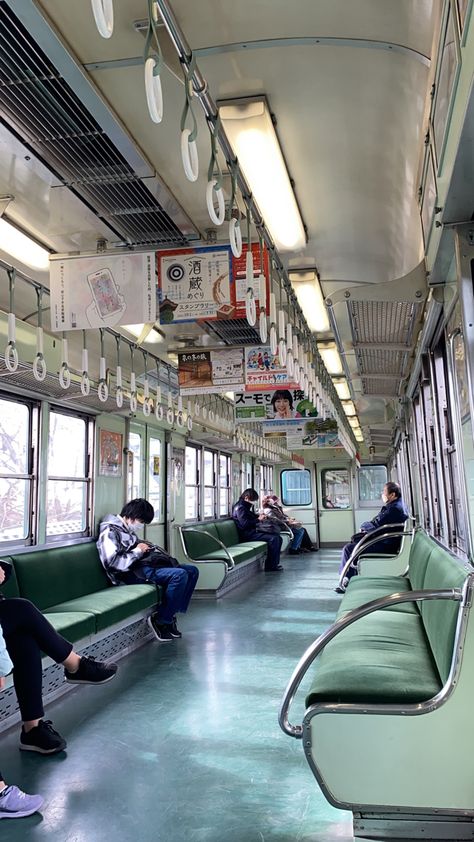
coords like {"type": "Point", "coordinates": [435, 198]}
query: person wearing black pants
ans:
{"type": "Point", "coordinates": [27, 634]}
{"type": "Point", "coordinates": [247, 523]}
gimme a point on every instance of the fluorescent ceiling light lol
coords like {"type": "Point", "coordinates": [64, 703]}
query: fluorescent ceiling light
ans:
{"type": "Point", "coordinates": [310, 298]}
{"type": "Point", "coordinates": [358, 435]}
{"type": "Point", "coordinates": [249, 128]}
{"type": "Point", "coordinates": [349, 408]}
{"type": "Point", "coordinates": [354, 422]}
{"type": "Point", "coordinates": [153, 336]}
{"type": "Point", "coordinates": [342, 389]}
{"type": "Point", "coordinates": [23, 248]}
{"type": "Point", "coordinates": [331, 358]}
{"type": "Point", "coordinates": [230, 395]}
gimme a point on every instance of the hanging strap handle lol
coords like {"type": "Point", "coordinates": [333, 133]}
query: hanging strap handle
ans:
{"type": "Point", "coordinates": [11, 353]}
{"type": "Point", "coordinates": [188, 106]}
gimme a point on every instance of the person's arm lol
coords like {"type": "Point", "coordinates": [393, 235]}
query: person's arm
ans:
{"type": "Point", "coordinates": [388, 515]}
{"type": "Point", "coordinates": [245, 519]}
{"type": "Point", "coordinates": [113, 553]}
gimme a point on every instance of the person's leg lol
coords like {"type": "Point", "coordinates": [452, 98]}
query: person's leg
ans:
{"type": "Point", "coordinates": [193, 576]}
{"type": "Point", "coordinates": [346, 553]}
{"type": "Point", "coordinates": [274, 543]}
{"type": "Point", "coordinates": [175, 582]}
{"type": "Point", "coordinates": [298, 534]}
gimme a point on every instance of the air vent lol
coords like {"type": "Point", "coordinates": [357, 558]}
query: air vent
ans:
{"type": "Point", "coordinates": [383, 387]}
{"type": "Point", "coordinates": [384, 322]}
{"type": "Point", "coordinates": [233, 331]}
{"type": "Point", "coordinates": [377, 361]}
{"type": "Point", "coordinates": [44, 111]}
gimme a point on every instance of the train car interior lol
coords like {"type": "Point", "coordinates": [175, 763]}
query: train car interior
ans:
{"type": "Point", "coordinates": [236, 395]}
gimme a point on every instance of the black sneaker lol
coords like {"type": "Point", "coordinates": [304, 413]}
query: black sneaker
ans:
{"type": "Point", "coordinates": [91, 672]}
{"type": "Point", "coordinates": [43, 739]}
{"type": "Point", "coordinates": [161, 631]}
{"type": "Point", "coordinates": [174, 631]}
{"type": "Point", "coordinates": [276, 569]}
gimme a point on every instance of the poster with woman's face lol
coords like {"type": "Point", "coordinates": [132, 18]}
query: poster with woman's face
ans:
{"type": "Point", "coordinates": [288, 405]}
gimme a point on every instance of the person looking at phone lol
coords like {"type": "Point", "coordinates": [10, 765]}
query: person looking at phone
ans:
{"type": "Point", "coordinates": [127, 560]}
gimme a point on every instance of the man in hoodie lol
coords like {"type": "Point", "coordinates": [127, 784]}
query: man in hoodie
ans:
{"type": "Point", "coordinates": [129, 561]}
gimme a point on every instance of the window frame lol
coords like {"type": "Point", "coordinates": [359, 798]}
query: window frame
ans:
{"type": "Point", "coordinates": [200, 485]}
{"type": "Point", "coordinates": [195, 484]}
{"type": "Point", "coordinates": [375, 501]}
{"type": "Point", "coordinates": [324, 494]}
{"type": "Point", "coordinates": [31, 476]}
{"type": "Point", "coordinates": [290, 504]}
{"type": "Point", "coordinates": [86, 479]}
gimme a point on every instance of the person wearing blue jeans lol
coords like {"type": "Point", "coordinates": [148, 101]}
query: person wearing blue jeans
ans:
{"type": "Point", "coordinates": [127, 560]}
{"type": "Point", "coordinates": [248, 522]}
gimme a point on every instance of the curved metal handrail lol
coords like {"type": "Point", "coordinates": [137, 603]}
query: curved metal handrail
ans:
{"type": "Point", "coordinates": [319, 644]}
{"type": "Point", "coordinates": [209, 535]}
{"type": "Point", "coordinates": [365, 542]}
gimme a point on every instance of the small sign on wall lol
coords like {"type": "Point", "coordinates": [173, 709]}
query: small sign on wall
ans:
{"type": "Point", "coordinates": [110, 453]}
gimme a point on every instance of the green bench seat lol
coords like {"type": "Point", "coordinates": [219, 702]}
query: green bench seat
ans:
{"type": "Point", "coordinates": [390, 699]}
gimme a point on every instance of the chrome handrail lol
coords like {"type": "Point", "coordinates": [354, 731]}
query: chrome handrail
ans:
{"type": "Point", "coordinates": [363, 545]}
{"type": "Point", "coordinates": [318, 645]}
{"type": "Point", "coordinates": [209, 535]}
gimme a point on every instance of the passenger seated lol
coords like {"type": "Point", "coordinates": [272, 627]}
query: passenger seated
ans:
{"type": "Point", "coordinates": [248, 525]}
{"type": "Point", "coordinates": [127, 560]}
{"type": "Point", "coordinates": [14, 804]}
{"type": "Point", "coordinates": [27, 634]}
{"type": "Point", "coordinates": [273, 511]}
{"type": "Point", "coordinates": [393, 511]}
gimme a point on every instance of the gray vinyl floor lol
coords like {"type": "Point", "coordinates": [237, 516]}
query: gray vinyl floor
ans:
{"type": "Point", "coordinates": [184, 746]}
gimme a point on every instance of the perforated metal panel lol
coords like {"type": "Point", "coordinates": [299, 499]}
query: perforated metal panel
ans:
{"type": "Point", "coordinates": [388, 387]}
{"type": "Point", "coordinates": [377, 361]}
{"type": "Point", "coordinates": [384, 322]}
{"type": "Point", "coordinates": [233, 331]}
{"type": "Point", "coordinates": [41, 107]}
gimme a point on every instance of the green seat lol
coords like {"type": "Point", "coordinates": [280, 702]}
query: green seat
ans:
{"type": "Point", "coordinates": [364, 589]}
{"type": "Point", "coordinates": [73, 625]}
{"type": "Point", "coordinates": [239, 553]}
{"type": "Point", "coordinates": [382, 658]}
{"type": "Point", "coordinates": [200, 539]}
{"type": "Point", "coordinates": [112, 605]}
{"type": "Point", "coordinates": [227, 532]}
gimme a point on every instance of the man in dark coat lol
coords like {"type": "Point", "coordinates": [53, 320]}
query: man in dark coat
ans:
{"type": "Point", "coordinates": [247, 522]}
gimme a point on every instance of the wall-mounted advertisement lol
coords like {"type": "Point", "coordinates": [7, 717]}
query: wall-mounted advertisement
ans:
{"type": "Point", "coordinates": [102, 291]}
{"type": "Point", "coordinates": [206, 372]}
{"type": "Point", "coordinates": [273, 407]}
{"type": "Point", "coordinates": [241, 283]}
{"type": "Point", "coordinates": [264, 371]}
{"type": "Point", "coordinates": [314, 433]}
{"type": "Point", "coordinates": [194, 284]}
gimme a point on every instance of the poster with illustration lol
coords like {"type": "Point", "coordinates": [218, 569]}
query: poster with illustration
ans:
{"type": "Point", "coordinates": [241, 283]}
{"type": "Point", "coordinates": [206, 372]}
{"type": "Point", "coordinates": [313, 433]}
{"type": "Point", "coordinates": [194, 284]}
{"type": "Point", "coordinates": [110, 453]}
{"type": "Point", "coordinates": [102, 291]}
{"type": "Point", "coordinates": [273, 407]}
{"type": "Point", "coordinates": [264, 371]}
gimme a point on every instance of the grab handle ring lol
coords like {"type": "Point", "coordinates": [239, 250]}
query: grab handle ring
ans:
{"type": "Point", "coordinates": [103, 391]}
{"type": "Point", "coordinates": [39, 367]}
{"type": "Point", "coordinates": [153, 91]}
{"type": "Point", "coordinates": [64, 376]}
{"type": "Point", "coordinates": [11, 357]}
{"type": "Point", "coordinates": [263, 326]}
{"type": "Point", "coordinates": [216, 216]}
{"type": "Point", "coordinates": [250, 307]}
{"type": "Point", "coordinates": [85, 384]}
{"type": "Point", "coordinates": [159, 412]}
{"type": "Point", "coordinates": [103, 12]}
{"type": "Point", "coordinates": [235, 237]}
{"type": "Point", "coordinates": [170, 416]}
{"type": "Point", "coordinates": [189, 156]}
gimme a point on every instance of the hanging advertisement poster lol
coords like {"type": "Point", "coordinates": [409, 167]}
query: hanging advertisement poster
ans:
{"type": "Point", "coordinates": [273, 407]}
{"type": "Point", "coordinates": [264, 371]}
{"type": "Point", "coordinates": [102, 291]}
{"type": "Point", "coordinates": [110, 453]}
{"type": "Point", "coordinates": [194, 284]}
{"type": "Point", "coordinates": [241, 284]}
{"type": "Point", "coordinates": [205, 372]}
{"type": "Point", "coordinates": [313, 433]}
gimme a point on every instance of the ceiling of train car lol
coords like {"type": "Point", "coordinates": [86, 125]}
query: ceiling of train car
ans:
{"type": "Point", "coordinates": [349, 103]}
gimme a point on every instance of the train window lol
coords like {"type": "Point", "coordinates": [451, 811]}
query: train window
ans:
{"type": "Point", "coordinates": [372, 479]}
{"type": "Point", "coordinates": [191, 480]}
{"type": "Point", "coordinates": [247, 477]}
{"type": "Point", "coordinates": [134, 476]}
{"type": "Point", "coordinates": [295, 487]}
{"type": "Point", "coordinates": [209, 463]}
{"type": "Point", "coordinates": [224, 484]}
{"type": "Point", "coordinates": [68, 475]}
{"type": "Point", "coordinates": [16, 474]}
{"type": "Point", "coordinates": [335, 488]}
{"type": "Point", "coordinates": [154, 475]}
{"type": "Point", "coordinates": [267, 478]}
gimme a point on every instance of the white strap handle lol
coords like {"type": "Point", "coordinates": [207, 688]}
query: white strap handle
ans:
{"type": "Point", "coordinates": [216, 216]}
{"type": "Point", "coordinates": [119, 389]}
{"type": "Point", "coordinates": [103, 11]}
{"type": "Point", "coordinates": [169, 416]}
{"type": "Point", "coordinates": [263, 326]}
{"type": "Point", "coordinates": [11, 353]}
{"type": "Point", "coordinates": [289, 363]}
{"type": "Point", "coordinates": [235, 237]}
{"type": "Point", "coordinates": [189, 156]}
{"type": "Point", "coordinates": [103, 389]}
{"type": "Point", "coordinates": [190, 423]}
{"type": "Point", "coordinates": [158, 412]}
{"type": "Point", "coordinates": [133, 392]}
{"type": "Point", "coordinates": [273, 339]}
{"type": "Point", "coordinates": [250, 307]}
{"type": "Point", "coordinates": [64, 373]}
{"type": "Point", "coordinates": [39, 365]}
{"type": "Point", "coordinates": [153, 91]}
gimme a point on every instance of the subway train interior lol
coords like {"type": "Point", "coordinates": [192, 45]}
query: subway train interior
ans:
{"type": "Point", "coordinates": [236, 286]}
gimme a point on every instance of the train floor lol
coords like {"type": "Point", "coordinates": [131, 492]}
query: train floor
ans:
{"type": "Point", "coordinates": [184, 745]}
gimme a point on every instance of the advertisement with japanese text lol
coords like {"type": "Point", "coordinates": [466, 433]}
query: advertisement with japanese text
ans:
{"type": "Point", "coordinates": [194, 284]}
{"type": "Point", "coordinates": [313, 433]}
{"type": "Point", "coordinates": [264, 371]}
{"type": "Point", "coordinates": [103, 291]}
{"type": "Point", "coordinates": [205, 372]}
{"type": "Point", "coordinates": [287, 405]}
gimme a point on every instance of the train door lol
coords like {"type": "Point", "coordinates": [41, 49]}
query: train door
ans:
{"type": "Point", "coordinates": [298, 496]}
{"type": "Point", "coordinates": [336, 512]}
{"type": "Point", "coordinates": [146, 475]}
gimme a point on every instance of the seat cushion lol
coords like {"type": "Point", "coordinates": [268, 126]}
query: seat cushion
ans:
{"type": "Point", "coordinates": [382, 658]}
{"type": "Point", "coordinates": [241, 552]}
{"type": "Point", "coordinates": [227, 532]}
{"type": "Point", "coordinates": [420, 552]}
{"type": "Point", "coordinates": [363, 589]}
{"type": "Point", "coordinates": [56, 574]}
{"type": "Point", "coordinates": [73, 625]}
{"type": "Point", "coordinates": [199, 539]}
{"type": "Point", "coordinates": [112, 605]}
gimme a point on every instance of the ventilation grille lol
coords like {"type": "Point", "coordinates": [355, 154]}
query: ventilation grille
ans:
{"type": "Point", "coordinates": [376, 361]}
{"type": "Point", "coordinates": [384, 387]}
{"type": "Point", "coordinates": [40, 106]}
{"type": "Point", "coordinates": [233, 331]}
{"type": "Point", "coordinates": [383, 322]}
